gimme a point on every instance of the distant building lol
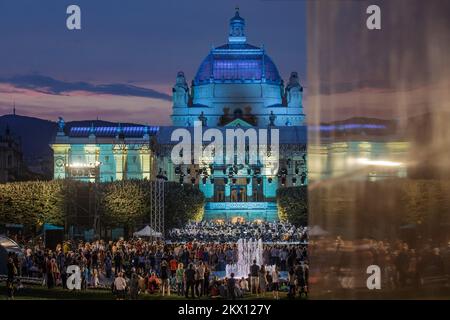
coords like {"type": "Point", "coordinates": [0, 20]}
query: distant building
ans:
{"type": "Point", "coordinates": [11, 157]}
{"type": "Point", "coordinates": [102, 154]}
{"type": "Point", "coordinates": [357, 149]}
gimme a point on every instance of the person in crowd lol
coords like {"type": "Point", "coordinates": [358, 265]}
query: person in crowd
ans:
{"type": "Point", "coordinates": [301, 275]}
{"type": "Point", "coordinates": [262, 280]}
{"type": "Point", "coordinates": [117, 263]}
{"type": "Point", "coordinates": [142, 283]}
{"type": "Point", "coordinates": [283, 255]}
{"type": "Point", "coordinates": [108, 265]}
{"type": "Point", "coordinates": [214, 285]}
{"type": "Point", "coordinates": [223, 292]}
{"type": "Point", "coordinates": [84, 276]}
{"type": "Point", "coordinates": [291, 283]}
{"type": "Point", "coordinates": [95, 279]}
{"type": "Point", "coordinates": [173, 264]}
{"type": "Point", "coordinates": [12, 272]}
{"type": "Point", "coordinates": [276, 283]}
{"type": "Point", "coordinates": [64, 276]}
{"type": "Point", "coordinates": [189, 279]}
{"type": "Point", "coordinates": [179, 275]}
{"type": "Point", "coordinates": [389, 274]}
{"type": "Point", "coordinates": [269, 280]}
{"type": "Point", "coordinates": [243, 284]}
{"type": "Point", "coordinates": [231, 287]}
{"type": "Point", "coordinates": [134, 286]}
{"type": "Point", "coordinates": [165, 283]}
{"type": "Point", "coordinates": [206, 280]}
{"type": "Point", "coordinates": [50, 274]}
{"type": "Point", "coordinates": [55, 271]}
{"type": "Point", "coordinates": [238, 291]}
{"type": "Point", "coordinates": [153, 283]}
{"type": "Point", "coordinates": [200, 279]}
{"type": "Point", "coordinates": [413, 275]}
{"type": "Point", "coordinates": [401, 264]}
{"type": "Point", "coordinates": [254, 278]}
{"type": "Point", "coordinates": [120, 286]}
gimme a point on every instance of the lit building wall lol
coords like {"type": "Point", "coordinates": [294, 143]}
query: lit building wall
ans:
{"type": "Point", "coordinates": [238, 80]}
{"type": "Point", "coordinates": [102, 158]}
{"type": "Point", "coordinates": [236, 85]}
{"type": "Point", "coordinates": [363, 159]}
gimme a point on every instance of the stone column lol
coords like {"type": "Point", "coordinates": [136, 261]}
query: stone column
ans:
{"type": "Point", "coordinates": [250, 189]}
{"type": "Point", "coordinates": [227, 192]}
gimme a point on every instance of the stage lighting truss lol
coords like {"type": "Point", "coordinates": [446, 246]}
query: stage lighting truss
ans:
{"type": "Point", "coordinates": [157, 206]}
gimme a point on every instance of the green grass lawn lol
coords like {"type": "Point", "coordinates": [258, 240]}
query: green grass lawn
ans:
{"type": "Point", "coordinates": [36, 292]}
{"type": "Point", "coordinates": [442, 293]}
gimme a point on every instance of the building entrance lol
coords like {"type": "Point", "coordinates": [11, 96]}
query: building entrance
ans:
{"type": "Point", "coordinates": [238, 193]}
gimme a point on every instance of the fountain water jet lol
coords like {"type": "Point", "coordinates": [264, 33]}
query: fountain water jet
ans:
{"type": "Point", "coordinates": [248, 250]}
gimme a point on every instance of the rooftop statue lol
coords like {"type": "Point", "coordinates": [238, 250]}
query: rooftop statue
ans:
{"type": "Point", "coordinates": [61, 124]}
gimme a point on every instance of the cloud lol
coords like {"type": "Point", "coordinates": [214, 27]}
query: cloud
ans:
{"type": "Point", "coordinates": [81, 106]}
{"type": "Point", "coordinates": [48, 85]}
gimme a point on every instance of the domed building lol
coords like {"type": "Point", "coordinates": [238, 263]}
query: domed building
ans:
{"type": "Point", "coordinates": [237, 85]}
{"type": "Point", "coordinates": [238, 81]}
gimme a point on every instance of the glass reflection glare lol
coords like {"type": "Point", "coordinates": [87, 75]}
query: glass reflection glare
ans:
{"type": "Point", "coordinates": [379, 150]}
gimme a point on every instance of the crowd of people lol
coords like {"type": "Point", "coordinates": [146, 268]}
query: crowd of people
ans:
{"type": "Point", "coordinates": [402, 265]}
{"type": "Point", "coordinates": [210, 231]}
{"type": "Point", "coordinates": [197, 268]}
{"type": "Point", "coordinates": [140, 266]}
{"type": "Point", "coordinates": [195, 282]}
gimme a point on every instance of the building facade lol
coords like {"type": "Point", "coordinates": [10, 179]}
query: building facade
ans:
{"type": "Point", "coordinates": [12, 167]}
{"type": "Point", "coordinates": [238, 80]}
{"type": "Point", "coordinates": [238, 87]}
{"type": "Point", "coordinates": [103, 154]}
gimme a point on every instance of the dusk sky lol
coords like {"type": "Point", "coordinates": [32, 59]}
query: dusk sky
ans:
{"type": "Point", "coordinates": [121, 66]}
{"type": "Point", "coordinates": [397, 72]}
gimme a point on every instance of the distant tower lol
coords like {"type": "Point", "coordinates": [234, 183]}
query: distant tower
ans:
{"type": "Point", "coordinates": [14, 108]}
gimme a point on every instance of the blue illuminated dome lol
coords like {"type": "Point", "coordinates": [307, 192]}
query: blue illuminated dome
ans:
{"type": "Point", "coordinates": [237, 84]}
{"type": "Point", "coordinates": [237, 61]}
{"type": "Point", "coordinates": [231, 64]}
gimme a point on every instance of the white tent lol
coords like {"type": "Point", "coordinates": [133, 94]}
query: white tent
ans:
{"type": "Point", "coordinates": [147, 232]}
{"type": "Point", "coordinates": [317, 231]}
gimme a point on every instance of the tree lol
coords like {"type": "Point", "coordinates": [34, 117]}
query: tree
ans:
{"type": "Point", "coordinates": [121, 203]}
{"type": "Point", "coordinates": [293, 205]}
{"type": "Point", "coordinates": [182, 203]}
{"type": "Point", "coordinates": [32, 203]}
{"type": "Point", "coordinates": [124, 202]}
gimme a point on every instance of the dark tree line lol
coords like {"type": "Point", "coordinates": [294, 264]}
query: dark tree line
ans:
{"type": "Point", "coordinates": [115, 204]}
